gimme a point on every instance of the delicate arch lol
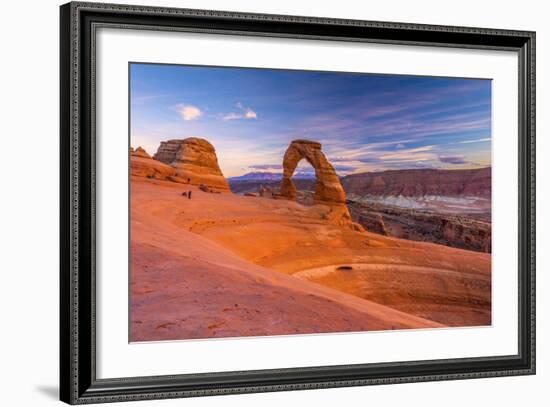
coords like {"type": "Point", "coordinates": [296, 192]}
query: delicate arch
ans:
{"type": "Point", "coordinates": [328, 188]}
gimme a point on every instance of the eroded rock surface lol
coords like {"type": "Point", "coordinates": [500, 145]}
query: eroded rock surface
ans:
{"type": "Point", "coordinates": [373, 222]}
{"type": "Point", "coordinates": [463, 232]}
{"type": "Point", "coordinates": [195, 162]}
{"type": "Point", "coordinates": [328, 188]}
{"type": "Point", "coordinates": [142, 165]}
{"type": "Point", "coordinates": [139, 152]}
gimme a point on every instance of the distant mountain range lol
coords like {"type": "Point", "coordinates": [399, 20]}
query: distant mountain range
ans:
{"type": "Point", "coordinates": [405, 183]}
{"type": "Point", "coordinates": [267, 176]}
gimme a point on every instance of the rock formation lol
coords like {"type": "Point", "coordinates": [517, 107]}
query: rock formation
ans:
{"type": "Point", "coordinates": [327, 188]}
{"type": "Point", "coordinates": [462, 232]}
{"type": "Point", "coordinates": [142, 165]}
{"type": "Point", "coordinates": [373, 222]}
{"type": "Point", "coordinates": [168, 151]}
{"type": "Point", "coordinates": [421, 182]}
{"type": "Point", "coordinates": [140, 152]}
{"type": "Point", "coordinates": [195, 162]}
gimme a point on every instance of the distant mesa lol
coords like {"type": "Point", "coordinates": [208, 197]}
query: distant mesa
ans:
{"type": "Point", "coordinates": [421, 182]}
{"type": "Point", "coordinates": [195, 162]}
{"type": "Point", "coordinates": [142, 165]}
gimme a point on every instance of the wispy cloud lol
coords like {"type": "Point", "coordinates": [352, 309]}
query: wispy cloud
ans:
{"type": "Point", "coordinates": [188, 112]}
{"type": "Point", "coordinates": [143, 99]}
{"type": "Point", "coordinates": [345, 168]}
{"type": "Point", "coordinates": [410, 154]}
{"type": "Point", "coordinates": [266, 167]}
{"type": "Point", "coordinates": [480, 140]}
{"type": "Point", "coordinates": [364, 122]}
{"type": "Point", "coordinates": [244, 113]}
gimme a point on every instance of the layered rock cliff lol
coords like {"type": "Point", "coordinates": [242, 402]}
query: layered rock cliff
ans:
{"type": "Point", "coordinates": [195, 162]}
{"type": "Point", "coordinates": [421, 182]}
{"type": "Point", "coordinates": [142, 165]}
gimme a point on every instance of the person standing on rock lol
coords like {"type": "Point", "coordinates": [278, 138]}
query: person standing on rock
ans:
{"type": "Point", "coordinates": [189, 194]}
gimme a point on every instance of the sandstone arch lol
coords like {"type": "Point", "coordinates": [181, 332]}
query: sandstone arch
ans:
{"type": "Point", "coordinates": [328, 188]}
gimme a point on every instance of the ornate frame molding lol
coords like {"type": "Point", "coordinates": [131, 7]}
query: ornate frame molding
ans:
{"type": "Point", "coordinates": [79, 21]}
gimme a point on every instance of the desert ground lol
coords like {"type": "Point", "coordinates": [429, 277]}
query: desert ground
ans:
{"type": "Point", "coordinates": [226, 265]}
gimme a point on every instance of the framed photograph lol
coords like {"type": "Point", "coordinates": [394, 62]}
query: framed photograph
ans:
{"type": "Point", "coordinates": [254, 203]}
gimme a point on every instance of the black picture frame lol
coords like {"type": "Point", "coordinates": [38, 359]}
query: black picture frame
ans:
{"type": "Point", "coordinates": [78, 382]}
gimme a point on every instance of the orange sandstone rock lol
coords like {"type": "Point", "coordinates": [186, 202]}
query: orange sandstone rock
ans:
{"type": "Point", "coordinates": [195, 162]}
{"type": "Point", "coordinates": [140, 152]}
{"type": "Point", "coordinates": [328, 189]}
{"type": "Point", "coordinates": [142, 165]}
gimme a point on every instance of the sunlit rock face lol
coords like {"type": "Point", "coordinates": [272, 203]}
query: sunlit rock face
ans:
{"type": "Point", "coordinates": [139, 152]}
{"type": "Point", "coordinates": [328, 189]}
{"type": "Point", "coordinates": [195, 162]}
{"type": "Point", "coordinates": [142, 165]}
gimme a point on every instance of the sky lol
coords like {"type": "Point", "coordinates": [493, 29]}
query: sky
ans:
{"type": "Point", "coordinates": [365, 122]}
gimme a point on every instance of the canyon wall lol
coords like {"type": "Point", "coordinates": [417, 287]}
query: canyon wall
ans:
{"type": "Point", "coordinates": [421, 182]}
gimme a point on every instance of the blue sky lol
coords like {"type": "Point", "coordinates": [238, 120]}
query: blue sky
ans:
{"type": "Point", "coordinates": [365, 122]}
